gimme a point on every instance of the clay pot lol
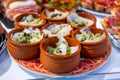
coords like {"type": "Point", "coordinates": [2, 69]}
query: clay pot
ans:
{"type": "Point", "coordinates": [21, 15]}
{"type": "Point", "coordinates": [93, 49]}
{"type": "Point", "coordinates": [85, 15]}
{"type": "Point", "coordinates": [22, 50]}
{"type": "Point", "coordinates": [51, 23]}
{"type": "Point", "coordinates": [1, 30]}
{"type": "Point", "coordinates": [51, 10]}
{"type": "Point", "coordinates": [59, 63]}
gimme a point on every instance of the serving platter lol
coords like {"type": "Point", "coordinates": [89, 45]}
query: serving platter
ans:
{"type": "Point", "coordinates": [85, 66]}
{"type": "Point", "coordinates": [95, 12]}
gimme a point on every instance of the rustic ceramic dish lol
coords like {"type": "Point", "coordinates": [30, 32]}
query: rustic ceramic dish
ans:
{"type": "Point", "coordinates": [93, 49]}
{"type": "Point", "coordinates": [51, 10]}
{"type": "Point", "coordinates": [22, 50]}
{"type": "Point", "coordinates": [19, 17]}
{"type": "Point", "coordinates": [85, 15]}
{"type": "Point", "coordinates": [59, 63]}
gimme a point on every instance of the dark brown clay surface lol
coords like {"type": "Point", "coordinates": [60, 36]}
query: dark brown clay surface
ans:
{"type": "Point", "coordinates": [22, 50]}
{"type": "Point", "coordinates": [59, 63]}
{"type": "Point", "coordinates": [93, 49]}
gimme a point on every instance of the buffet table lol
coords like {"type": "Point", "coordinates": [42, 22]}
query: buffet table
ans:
{"type": "Point", "coordinates": [9, 70]}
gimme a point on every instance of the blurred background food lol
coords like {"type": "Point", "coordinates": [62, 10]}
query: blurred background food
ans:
{"type": "Point", "coordinates": [100, 5]}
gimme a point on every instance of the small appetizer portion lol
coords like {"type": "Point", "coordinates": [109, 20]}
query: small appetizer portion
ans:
{"type": "Point", "coordinates": [62, 48]}
{"type": "Point", "coordinates": [93, 41]}
{"type": "Point", "coordinates": [29, 20]}
{"type": "Point", "coordinates": [60, 54]}
{"type": "Point", "coordinates": [57, 29]}
{"type": "Point", "coordinates": [87, 36]}
{"type": "Point", "coordinates": [24, 43]}
{"type": "Point", "coordinates": [87, 4]}
{"type": "Point", "coordinates": [81, 19]}
{"type": "Point", "coordinates": [100, 5]}
{"type": "Point", "coordinates": [15, 7]}
{"type": "Point", "coordinates": [27, 36]}
{"type": "Point", "coordinates": [105, 6]}
{"type": "Point", "coordinates": [65, 4]}
{"type": "Point", "coordinates": [113, 22]}
{"type": "Point", "coordinates": [56, 14]}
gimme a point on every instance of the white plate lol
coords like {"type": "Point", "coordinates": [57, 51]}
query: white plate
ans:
{"type": "Point", "coordinates": [95, 12]}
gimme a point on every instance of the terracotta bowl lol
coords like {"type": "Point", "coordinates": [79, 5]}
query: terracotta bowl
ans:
{"type": "Point", "coordinates": [22, 50]}
{"type": "Point", "coordinates": [51, 23]}
{"type": "Point", "coordinates": [1, 30]}
{"type": "Point", "coordinates": [85, 15]}
{"type": "Point", "coordinates": [54, 20]}
{"type": "Point", "coordinates": [59, 63]}
{"type": "Point", "coordinates": [93, 49]}
{"type": "Point", "coordinates": [21, 15]}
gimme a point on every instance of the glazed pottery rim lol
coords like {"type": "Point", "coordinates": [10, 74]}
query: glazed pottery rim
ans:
{"type": "Point", "coordinates": [92, 43]}
{"type": "Point", "coordinates": [60, 56]}
{"type": "Point", "coordinates": [51, 23]}
{"type": "Point", "coordinates": [50, 19]}
{"type": "Point", "coordinates": [29, 13]}
{"type": "Point", "coordinates": [85, 13]}
{"type": "Point", "coordinates": [18, 43]}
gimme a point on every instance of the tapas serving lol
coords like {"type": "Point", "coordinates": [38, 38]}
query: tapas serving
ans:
{"type": "Point", "coordinates": [29, 19]}
{"type": "Point", "coordinates": [12, 7]}
{"type": "Point", "coordinates": [92, 40]}
{"type": "Point", "coordinates": [24, 43]}
{"type": "Point", "coordinates": [111, 24]}
{"type": "Point", "coordinates": [55, 29]}
{"type": "Point", "coordinates": [85, 65]}
{"type": "Point", "coordinates": [81, 19]}
{"type": "Point", "coordinates": [100, 7]}
{"type": "Point", "coordinates": [55, 14]}
{"type": "Point", "coordinates": [61, 52]}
